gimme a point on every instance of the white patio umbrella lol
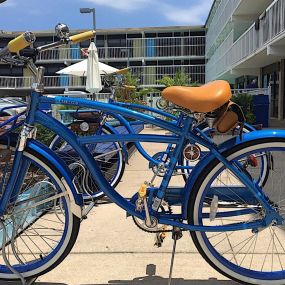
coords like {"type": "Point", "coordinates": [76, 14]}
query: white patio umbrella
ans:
{"type": "Point", "coordinates": [80, 69]}
{"type": "Point", "coordinates": [93, 81]}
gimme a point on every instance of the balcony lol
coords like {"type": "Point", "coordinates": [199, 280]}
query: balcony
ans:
{"type": "Point", "coordinates": [219, 20]}
{"type": "Point", "coordinates": [257, 47]}
{"type": "Point", "coordinates": [135, 49]}
{"type": "Point", "coordinates": [148, 76]}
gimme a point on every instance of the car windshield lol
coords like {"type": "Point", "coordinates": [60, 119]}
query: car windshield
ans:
{"type": "Point", "coordinates": [12, 101]}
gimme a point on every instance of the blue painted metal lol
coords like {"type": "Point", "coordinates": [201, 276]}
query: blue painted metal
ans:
{"type": "Point", "coordinates": [182, 133]}
{"type": "Point", "coordinates": [129, 138]}
{"type": "Point", "coordinates": [59, 164]}
{"type": "Point", "coordinates": [205, 161]}
{"type": "Point", "coordinates": [110, 108]}
{"type": "Point", "coordinates": [266, 133]}
{"type": "Point", "coordinates": [145, 108]}
{"type": "Point", "coordinates": [174, 158]}
{"type": "Point", "coordinates": [139, 116]}
{"type": "Point", "coordinates": [124, 147]}
{"type": "Point", "coordinates": [89, 161]}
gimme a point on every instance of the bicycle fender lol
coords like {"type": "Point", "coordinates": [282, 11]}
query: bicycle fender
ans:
{"type": "Point", "coordinates": [203, 164]}
{"type": "Point", "coordinates": [124, 147]}
{"type": "Point", "coordinates": [74, 194]}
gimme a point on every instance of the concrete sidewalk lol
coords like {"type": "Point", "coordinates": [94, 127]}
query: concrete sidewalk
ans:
{"type": "Point", "coordinates": [112, 250]}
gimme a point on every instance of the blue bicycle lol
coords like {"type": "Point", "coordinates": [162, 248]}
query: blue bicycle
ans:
{"type": "Point", "coordinates": [96, 123]}
{"type": "Point", "coordinates": [236, 223]}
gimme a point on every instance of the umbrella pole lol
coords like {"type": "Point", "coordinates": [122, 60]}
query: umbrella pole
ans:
{"type": "Point", "coordinates": [94, 97]}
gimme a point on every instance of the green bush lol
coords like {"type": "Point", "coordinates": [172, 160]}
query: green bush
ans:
{"type": "Point", "coordinates": [134, 96]}
{"type": "Point", "coordinates": [245, 101]}
{"type": "Point", "coordinates": [44, 135]}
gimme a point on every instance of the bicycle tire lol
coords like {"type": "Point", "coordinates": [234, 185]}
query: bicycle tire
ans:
{"type": "Point", "coordinates": [241, 256]}
{"type": "Point", "coordinates": [40, 219]}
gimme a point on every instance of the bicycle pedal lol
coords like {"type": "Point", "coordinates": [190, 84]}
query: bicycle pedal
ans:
{"type": "Point", "coordinates": [159, 239]}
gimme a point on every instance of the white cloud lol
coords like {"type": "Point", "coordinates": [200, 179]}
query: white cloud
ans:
{"type": "Point", "coordinates": [193, 15]}
{"type": "Point", "coordinates": [123, 5]}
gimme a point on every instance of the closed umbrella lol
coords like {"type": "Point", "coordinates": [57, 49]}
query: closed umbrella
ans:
{"type": "Point", "coordinates": [93, 81]}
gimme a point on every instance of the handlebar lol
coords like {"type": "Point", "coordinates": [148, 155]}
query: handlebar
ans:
{"type": "Point", "coordinates": [27, 38]}
{"type": "Point", "coordinates": [21, 42]}
{"type": "Point", "coordinates": [82, 37]}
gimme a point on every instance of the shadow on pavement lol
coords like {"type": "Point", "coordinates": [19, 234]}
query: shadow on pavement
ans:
{"type": "Point", "coordinates": [35, 283]}
{"type": "Point", "coordinates": [156, 280]}
{"type": "Point", "coordinates": [152, 279]}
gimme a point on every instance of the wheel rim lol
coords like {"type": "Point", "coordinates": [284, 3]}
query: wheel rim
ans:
{"type": "Point", "coordinates": [41, 233]}
{"type": "Point", "coordinates": [245, 259]}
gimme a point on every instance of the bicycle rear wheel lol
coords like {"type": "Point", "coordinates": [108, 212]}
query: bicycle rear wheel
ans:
{"type": "Point", "coordinates": [41, 228]}
{"type": "Point", "coordinates": [252, 256]}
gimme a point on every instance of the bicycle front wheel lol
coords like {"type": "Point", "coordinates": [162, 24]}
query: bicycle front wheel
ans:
{"type": "Point", "coordinates": [40, 226]}
{"type": "Point", "coordinates": [252, 256]}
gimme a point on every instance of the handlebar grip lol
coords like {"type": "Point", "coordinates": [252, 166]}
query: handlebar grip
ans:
{"type": "Point", "coordinates": [123, 71]}
{"type": "Point", "coordinates": [82, 37]}
{"type": "Point", "coordinates": [21, 42]}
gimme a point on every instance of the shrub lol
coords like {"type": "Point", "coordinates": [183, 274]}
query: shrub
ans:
{"type": "Point", "coordinates": [245, 101]}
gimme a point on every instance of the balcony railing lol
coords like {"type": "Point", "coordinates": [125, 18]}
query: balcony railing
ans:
{"type": "Point", "coordinates": [222, 16]}
{"type": "Point", "coordinates": [255, 91]}
{"type": "Point", "coordinates": [254, 39]}
{"type": "Point", "coordinates": [135, 49]}
{"type": "Point", "coordinates": [148, 77]}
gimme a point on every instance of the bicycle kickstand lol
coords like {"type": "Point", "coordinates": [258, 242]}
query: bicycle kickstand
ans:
{"type": "Point", "coordinates": [176, 235]}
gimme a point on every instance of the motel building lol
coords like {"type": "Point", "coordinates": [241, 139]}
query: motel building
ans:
{"type": "Point", "coordinates": [245, 40]}
{"type": "Point", "coordinates": [242, 40]}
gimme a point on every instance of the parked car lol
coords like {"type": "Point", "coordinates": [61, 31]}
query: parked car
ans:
{"type": "Point", "coordinates": [11, 106]}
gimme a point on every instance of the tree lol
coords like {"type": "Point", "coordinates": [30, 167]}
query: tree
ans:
{"type": "Point", "coordinates": [179, 79]}
{"type": "Point", "coordinates": [130, 93]}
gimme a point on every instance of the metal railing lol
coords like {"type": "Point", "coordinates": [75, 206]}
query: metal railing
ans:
{"type": "Point", "coordinates": [151, 75]}
{"type": "Point", "coordinates": [256, 38]}
{"type": "Point", "coordinates": [253, 91]}
{"type": "Point", "coordinates": [148, 77]}
{"type": "Point", "coordinates": [222, 16]}
{"type": "Point", "coordinates": [135, 48]}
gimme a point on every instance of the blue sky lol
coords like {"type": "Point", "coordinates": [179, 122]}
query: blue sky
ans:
{"type": "Point", "coordinates": [18, 15]}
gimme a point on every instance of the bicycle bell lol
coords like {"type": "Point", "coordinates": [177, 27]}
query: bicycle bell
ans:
{"type": "Point", "coordinates": [62, 31]}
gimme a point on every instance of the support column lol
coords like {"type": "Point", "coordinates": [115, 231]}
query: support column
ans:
{"type": "Point", "coordinates": [260, 79]}
{"type": "Point", "coordinates": [281, 111]}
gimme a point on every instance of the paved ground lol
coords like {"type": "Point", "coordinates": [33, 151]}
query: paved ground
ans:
{"type": "Point", "coordinates": [112, 250]}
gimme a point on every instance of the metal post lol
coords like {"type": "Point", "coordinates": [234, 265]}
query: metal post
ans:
{"type": "Point", "coordinates": [87, 11]}
{"type": "Point", "coordinates": [94, 23]}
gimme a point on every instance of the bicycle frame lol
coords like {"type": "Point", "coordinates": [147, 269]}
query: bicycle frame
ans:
{"type": "Point", "coordinates": [180, 135]}
{"type": "Point", "coordinates": [176, 120]}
